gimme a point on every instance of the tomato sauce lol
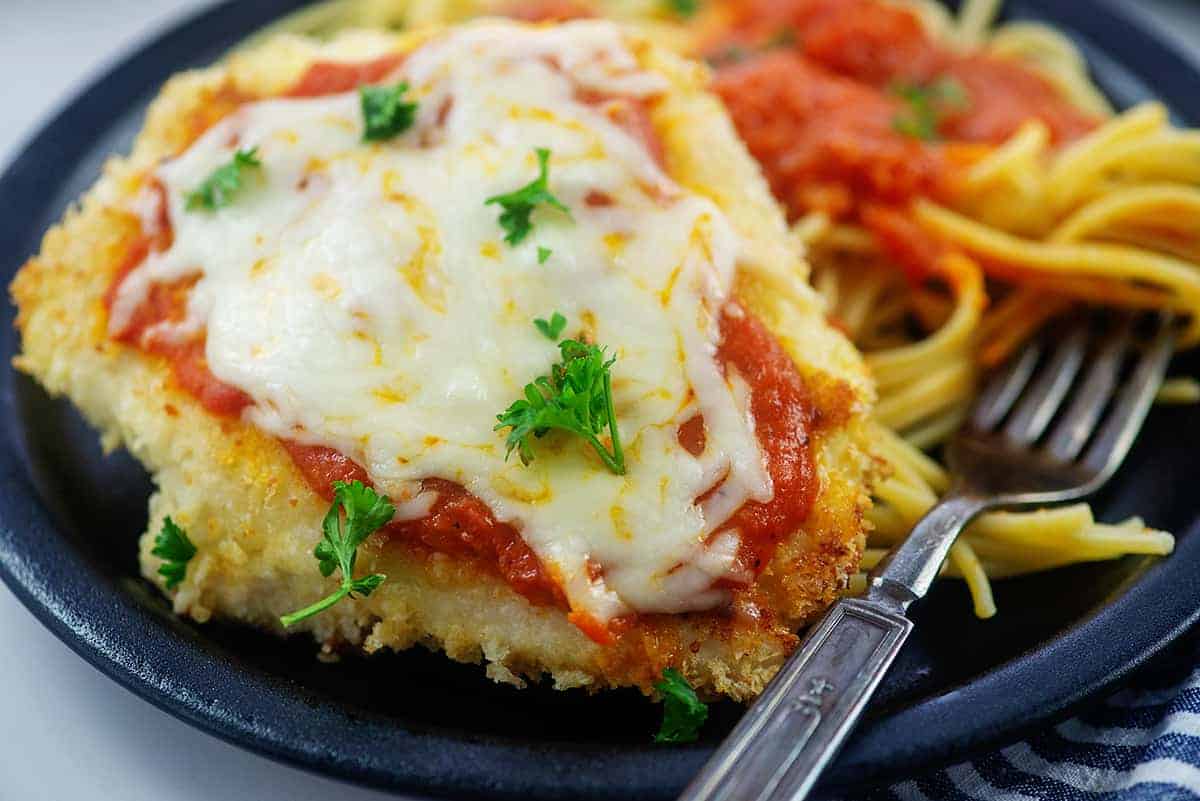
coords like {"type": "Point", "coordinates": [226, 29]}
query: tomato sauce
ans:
{"type": "Point", "coordinates": [189, 366]}
{"type": "Point", "coordinates": [811, 84]}
{"type": "Point", "coordinates": [783, 419]}
{"type": "Point", "coordinates": [459, 523]}
{"type": "Point", "coordinates": [168, 302]}
{"type": "Point", "coordinates": [634, 117]}
{"type": "Point", "coordinates": [335, 77]}
{"type": "Point", "coordinates": [825, 141]}
{"type": "Point", "coordinates": [546, 10]}
{"type": "Point", "coordinates": [909, 246]}
{"type": "Point", "coordinates": [322, 466]}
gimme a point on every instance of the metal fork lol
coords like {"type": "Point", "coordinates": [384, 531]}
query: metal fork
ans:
{"type": "Point", "coordinates": [1030, 440]}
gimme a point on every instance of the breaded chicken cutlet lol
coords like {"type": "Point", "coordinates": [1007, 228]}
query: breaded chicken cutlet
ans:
{"type": "Point", "coordinates": [524, 281]}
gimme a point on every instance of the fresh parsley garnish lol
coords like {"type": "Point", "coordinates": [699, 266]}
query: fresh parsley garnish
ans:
{"type": "Point", "coordinates": [683, 8]}
{"type": "Point", "coordinates": [925, 106]}
{"type": "Point", "coordinates": [683, 712]}
{"type": "Point", "coordinates": [385, 112]}
{"type": "Point", "coordinates": [544, 255]}
{"type": "Point", "coordinates": [576, 397]}
{"type": "Point", "coordinates": [172, 545]}
{"type": "Point", "coordinates": [553, 327]}
{"type": "Point", "coordinates": [519, 205]}
{"type": "Point", "coordinates": [220, 188]}
{"type": "Point", "coordinates": [356, 513]}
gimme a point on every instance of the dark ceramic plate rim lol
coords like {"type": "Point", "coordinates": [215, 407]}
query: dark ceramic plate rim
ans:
{"type": "Point", "coordinates": [279, 719]}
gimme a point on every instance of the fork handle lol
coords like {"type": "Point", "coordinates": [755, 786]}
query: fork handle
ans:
{"type": "Point", "coordinates": [791, 734]}
{"type": "Point", "coordinates": [908, 570]}
{"type": "Point", "coordinates": [784, 742]}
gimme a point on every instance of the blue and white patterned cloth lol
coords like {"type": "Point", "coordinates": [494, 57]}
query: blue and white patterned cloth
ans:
{"type": "Point", "coordinates": [1140, 743]}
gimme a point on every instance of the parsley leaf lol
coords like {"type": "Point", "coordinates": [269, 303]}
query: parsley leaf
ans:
{"type": "Point", "coordinates": [683, 712]}
{"type": "Point", "coordinates": [519, 205]}
{"type": "Point", "coordinates": [683, 8]}
{"type": "Point", "coordinates": [357, 512]}
{"type": "Point", "coordinates": [385, 114]}
{"type": "Point", "coordinates": [926, 106]}
{"type": "Point", "coordinates": [219, 189]}
{"type": "Point", "coordinates": [553, 328]}
{"type": "Point", "coordinates": [172, 545]}
{"type": "Point", "coordinates": [576, 397]}
{"type": "Point", "coordinates": [544, 255]}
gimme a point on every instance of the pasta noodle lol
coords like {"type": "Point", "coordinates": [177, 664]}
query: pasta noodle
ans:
{"type": "Point", "coordinates": [1113, 218]}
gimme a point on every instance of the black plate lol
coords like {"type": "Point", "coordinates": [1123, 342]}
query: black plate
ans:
{"type": "Point", "coordinates": [415, 721]}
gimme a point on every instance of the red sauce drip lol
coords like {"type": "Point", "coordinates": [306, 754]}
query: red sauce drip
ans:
{"type": "Point", "coordinates": [333, 77]}
{"type": "Point", "coordinates": [634, 117]}
{"type": "Point", "coordinates": [190, 367]}
{"type": "Point", "coordinates": [914, 249]}
{"type": "Point", "coordinates": [1010, 94]}
{"type": "Point", "coordinates": [596, 630]}
{"type": "Point", "coordinates": [167, 302]}
{"type": "Point", "coordinates": [783, 418]}
{"type": "Point", "coordinates": [461, 524]}
{"type": "Point", "coordinates": [630, 113]}
{"type": "Point", "coordinates": [598, 200]}
{"type": "Point", "coordinates": [546, 10]}
{"type": "Point", "coordinates": [189, 364]}
{"type": "Point", "coordinates": [322, 466]}
{"type": "Point", "coordinates": [693, 437]}
{"type": "Point", "coordinates": [817, 112]}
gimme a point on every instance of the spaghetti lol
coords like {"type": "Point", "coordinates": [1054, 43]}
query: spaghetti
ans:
{"type": "Point", "coordinates": [1013, 230]}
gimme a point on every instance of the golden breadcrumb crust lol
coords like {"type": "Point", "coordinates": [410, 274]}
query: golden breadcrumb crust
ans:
{"type": "Point", "coordinates": [255, 520]}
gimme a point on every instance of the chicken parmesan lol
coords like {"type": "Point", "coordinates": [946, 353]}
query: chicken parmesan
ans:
{"type": "Point", "coordinates": [517, 302]}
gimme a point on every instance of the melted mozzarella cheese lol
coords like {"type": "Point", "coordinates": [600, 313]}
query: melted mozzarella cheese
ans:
{"type": "Point", "coordinates": [363, 296]}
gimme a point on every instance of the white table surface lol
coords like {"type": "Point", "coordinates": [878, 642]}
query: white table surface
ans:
{"type": "Point", "coordinates": [67, 731]}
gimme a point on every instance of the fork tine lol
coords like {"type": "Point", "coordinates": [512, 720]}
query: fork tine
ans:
{"type": "Point", "coordinates": [1039, 403]}
{"type": "Point", "coordinates": [1004, 388]}
{"type": "Point", "coordinates": [1132, 404]}
{"type": "Point", "coordinates": [1071, 433]}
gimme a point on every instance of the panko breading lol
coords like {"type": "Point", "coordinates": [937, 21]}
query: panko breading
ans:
{"type": "Point", "coordinates": [255, 520]}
